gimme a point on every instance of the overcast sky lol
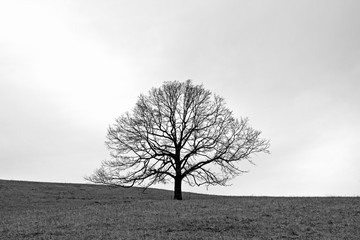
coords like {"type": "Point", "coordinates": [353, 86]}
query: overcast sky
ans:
{"type": "Point", "coordinates": [69, 68]}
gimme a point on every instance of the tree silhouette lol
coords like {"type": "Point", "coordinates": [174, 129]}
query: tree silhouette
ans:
{"type": "Point", "coordinates": [178, 132]}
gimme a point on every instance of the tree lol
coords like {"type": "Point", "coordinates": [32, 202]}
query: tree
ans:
{"type": "Point", "coordinates": [178, 132]}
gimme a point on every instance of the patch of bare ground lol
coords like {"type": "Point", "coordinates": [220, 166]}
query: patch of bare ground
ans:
{"type": "Point", "coordinates": [74, 211]}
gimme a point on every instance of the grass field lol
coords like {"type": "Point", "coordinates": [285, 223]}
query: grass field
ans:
{"type": "Point", "coordinates": [30, 210]}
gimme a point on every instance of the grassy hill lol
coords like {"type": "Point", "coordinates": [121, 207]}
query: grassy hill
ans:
{"type": "Point", "coordinates": [33, 210]}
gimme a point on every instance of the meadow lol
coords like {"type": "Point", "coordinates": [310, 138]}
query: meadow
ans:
{"type": "Point", "coordinates": [32, 210]}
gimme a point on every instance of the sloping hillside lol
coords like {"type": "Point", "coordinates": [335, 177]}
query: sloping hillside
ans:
{"type": "Point", "coordinates": [31, 210]}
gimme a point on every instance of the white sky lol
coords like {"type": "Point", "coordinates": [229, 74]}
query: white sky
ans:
{"type": "Point", "coordinates": [69, 68]}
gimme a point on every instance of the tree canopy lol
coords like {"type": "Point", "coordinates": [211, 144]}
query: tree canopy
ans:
{"type": "Point", "coordinates": [178, 132]}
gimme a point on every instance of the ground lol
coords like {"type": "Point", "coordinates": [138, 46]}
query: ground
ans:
{"type": "Point", "coordinates": [30, 210]}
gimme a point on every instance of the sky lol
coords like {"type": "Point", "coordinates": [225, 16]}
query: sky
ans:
{"type": "Point", "coordinates": [68, 68]}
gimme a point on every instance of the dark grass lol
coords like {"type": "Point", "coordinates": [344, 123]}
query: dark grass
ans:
{"type": "Point", "coordinates": [30, 210]}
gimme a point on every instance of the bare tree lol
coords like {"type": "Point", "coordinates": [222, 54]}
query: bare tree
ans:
{"type": "Point", "coordinates": [178, 132]}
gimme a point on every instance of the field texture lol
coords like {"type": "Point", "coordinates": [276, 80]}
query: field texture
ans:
{"type": "Point", "coordinates": [31, 210]}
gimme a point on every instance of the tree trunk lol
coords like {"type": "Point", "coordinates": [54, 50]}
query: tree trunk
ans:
{"type": "Point", "coordinates": [177, 190]}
